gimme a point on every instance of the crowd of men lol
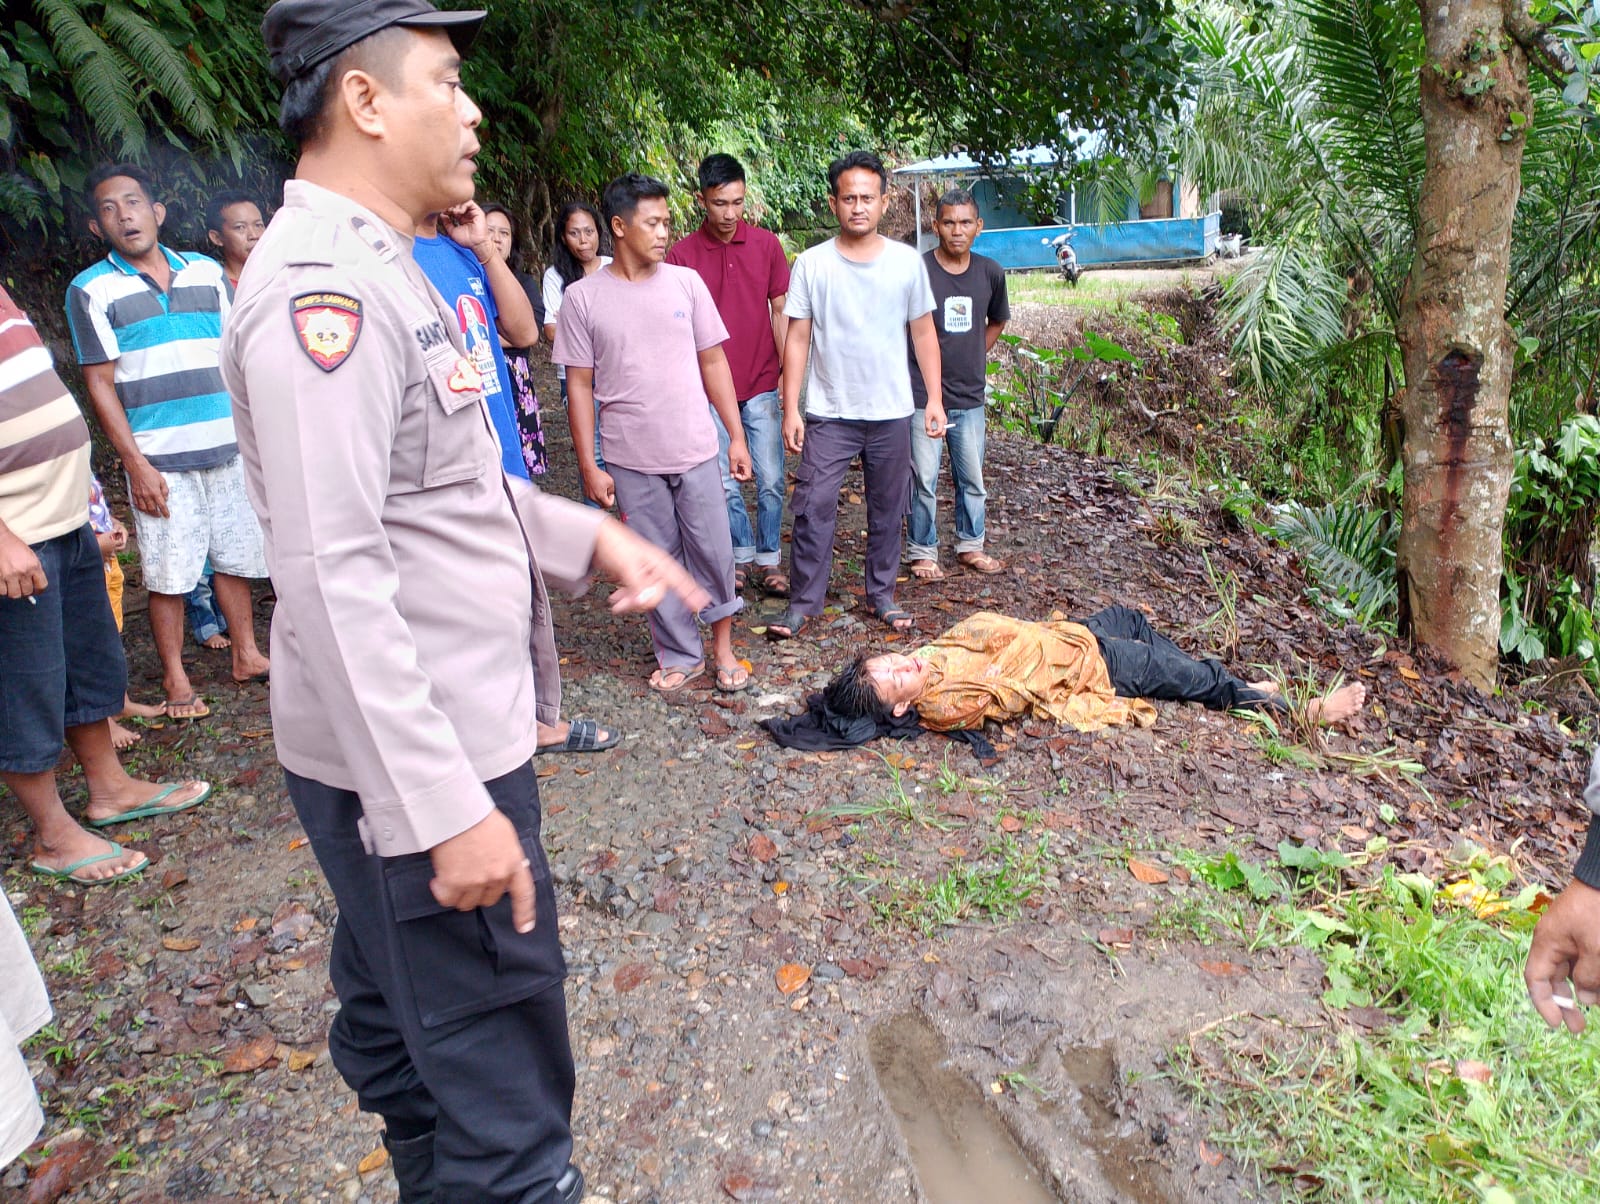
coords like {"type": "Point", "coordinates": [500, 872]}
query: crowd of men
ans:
{"type": "Point", "coordinates": [333, 407]}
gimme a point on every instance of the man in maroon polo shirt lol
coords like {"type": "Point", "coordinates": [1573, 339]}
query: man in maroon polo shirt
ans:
{"type": "Point", "coordinates": [745, 269]}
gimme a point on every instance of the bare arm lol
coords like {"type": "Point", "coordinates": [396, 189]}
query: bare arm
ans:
{"type": "Point", "coordinates": [991, 335]}
{"type": "Point", "coordinates": [780, 322]}
{"type": "Point", "coordinates": [796, 350]}
{"type": "Point", "coordinates": [597, 484]}
{"type": "Point", "coordinates": [146, 488]}
{"type": "Point", "coordinates": [925, 345]}
{"type": "Point", "coordinates": [718, 378]}
{"type": "Point", "coordinates": [517, 321]}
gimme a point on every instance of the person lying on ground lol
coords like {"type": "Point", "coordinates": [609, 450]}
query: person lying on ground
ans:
{"type": "Point", "coordinates": [1089, 674]}
{"type": "Point", "coordinates": [1563, 970]}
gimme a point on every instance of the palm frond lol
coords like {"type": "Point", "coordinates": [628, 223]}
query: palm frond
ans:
{"type": "Point", "coordinates": [170, 74]}
{"type": "Point", "coordinates": [1365, 56]}
{"type": "Point", "coordinates": [1349, 550]}
{"type": "Point", "coordinates": [1287, 310]}
{"type": "Point", "coordinates": [98, 76]}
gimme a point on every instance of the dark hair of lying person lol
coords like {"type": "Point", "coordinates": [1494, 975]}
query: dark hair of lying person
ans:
{"type": "Point", "coordinates": [854, 695]}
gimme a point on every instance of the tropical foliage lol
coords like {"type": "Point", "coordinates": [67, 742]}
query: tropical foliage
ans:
{"type": "Point", "coordinates": [1307, 114]}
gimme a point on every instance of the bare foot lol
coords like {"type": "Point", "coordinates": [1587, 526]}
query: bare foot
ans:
{"type": "Point", "coordinates": [217, 642]}
{"type": "Point", "coordinates": [134, 793]}
{"type": "Point", "coordinates": [141, 710]}
{"type": "Point", "coordinates": [122, 738]}
{"type": "Point", "coordinates": [926, 570]}
{"type": "Point", "coordinates": [249, 668]}
{"type": "Point", "coordinates": [82, 844]}
{"type": "Point", "coordinates": [1337, 705]}
{"type": "Point", "coordinates": [1266, 687]}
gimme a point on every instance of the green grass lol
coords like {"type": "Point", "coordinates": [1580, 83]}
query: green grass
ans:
{"type": "Point", "coordinates": [1094, 291]}
{"type": "Point", "coordinates": [993, 887]}
{"type": "Point", "coordinates": [897, 804]}
{"type": "Point", "coordinates": [1465, 1096]}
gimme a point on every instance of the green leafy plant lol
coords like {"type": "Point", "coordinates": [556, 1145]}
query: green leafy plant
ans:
{"type": "Point", "coordinates": [1349, 551]}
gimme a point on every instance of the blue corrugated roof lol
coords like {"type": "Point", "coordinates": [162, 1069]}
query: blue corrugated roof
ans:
{"type": "Point", "coordinates": [1090, 143]}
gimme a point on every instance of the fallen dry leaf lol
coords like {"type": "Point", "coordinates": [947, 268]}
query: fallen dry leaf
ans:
{"type": "Point", "coordinates": [377, 1160]}
{"type": "Point", "coordinates": [252, 1055]}
{"type": "Point", "coordinates": [1120, 938]}
{"type": "Point", "coordinates": [762, 848]}
{"type": "Point", "coordinates": [792, 976]}
{"type": "Point", "coordinates": [1410, 674]}
{"type": "Point", "coordinates": [302, 1059]}
{"type": "Point", "coordinates": [1209, 1156]}
{"type": "Point", "coordinates": [53, 1177]}
{"type": "Point", "coordinates": [629, 976]}
{"type": "Point", "coordinates": [173, 877]}
{"type": "Point", "coordinates": [246, 924]}
{"type": "Point", "coordinates": [1473, 1072]}
{"type": "Point", "coordinates": [1223, 969]}
{"type": "Point", "coordinates": [299, 842]}
{"type": "Point", "coordinates": [180, 944]}
{"type": "Point", "coordinates": [1010, 823]}
{"type": "Point", "coordinates": [1149, 874]}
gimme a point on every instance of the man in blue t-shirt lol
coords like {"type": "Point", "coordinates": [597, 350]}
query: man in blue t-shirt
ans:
{"type": "Point", "coordinates": [466, 267]}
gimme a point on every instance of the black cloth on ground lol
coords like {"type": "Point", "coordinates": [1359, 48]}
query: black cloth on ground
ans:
{"type": "Point", "coordinates": [819, 729]}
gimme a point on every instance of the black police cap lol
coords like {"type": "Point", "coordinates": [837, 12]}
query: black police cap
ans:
{"type": "Point", "coordinates": [302, 33]}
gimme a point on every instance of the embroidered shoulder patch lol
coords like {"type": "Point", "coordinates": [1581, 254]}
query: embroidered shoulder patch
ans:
{"type": "Point", "coordinates": [328, 325]}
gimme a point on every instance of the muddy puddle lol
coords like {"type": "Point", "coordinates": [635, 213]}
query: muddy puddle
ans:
{"type": "Point", "coordinates": [961, 1150]}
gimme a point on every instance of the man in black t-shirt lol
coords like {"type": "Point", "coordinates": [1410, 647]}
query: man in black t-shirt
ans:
{"type": "Point", "coordinates": [970, 311]}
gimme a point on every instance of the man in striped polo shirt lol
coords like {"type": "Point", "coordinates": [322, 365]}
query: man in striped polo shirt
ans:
{"type": "Point", "coordinates": [62, 676]}
{"type": "Point", "coordinates": [147, 327]}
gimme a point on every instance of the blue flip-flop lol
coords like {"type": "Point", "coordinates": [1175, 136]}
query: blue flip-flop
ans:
{"type": "Point", "coordinates": [154, 807]}
{"type": "Point", "coordinates": [69, 873]}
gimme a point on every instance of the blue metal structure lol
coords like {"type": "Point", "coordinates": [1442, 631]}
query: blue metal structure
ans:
{"type": "Point", "coordinates": [1155, 240]}
{"type": "Point", "coordinates": [1132, 241]}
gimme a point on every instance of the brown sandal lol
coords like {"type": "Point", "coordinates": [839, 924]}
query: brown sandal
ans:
{"type": "Point", "coordinates": [926, 570]}
{"type": "Point", "coordinates": [981, 562]}
{"type": "Point", "coordinates": [772, 580]}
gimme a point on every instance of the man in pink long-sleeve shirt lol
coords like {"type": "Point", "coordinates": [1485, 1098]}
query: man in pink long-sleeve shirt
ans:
{"type": "Point", "coordinates": [411, 612]}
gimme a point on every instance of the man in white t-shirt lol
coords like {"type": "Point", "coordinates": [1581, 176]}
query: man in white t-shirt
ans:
{"type": "Point", "coordinates": [852, 301]}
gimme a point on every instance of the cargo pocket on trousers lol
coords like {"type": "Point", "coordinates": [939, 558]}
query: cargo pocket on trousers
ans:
{"type": "Point", "coordinates": [800, 499]}
{"type": "Point", "coordinates": [463, 963]}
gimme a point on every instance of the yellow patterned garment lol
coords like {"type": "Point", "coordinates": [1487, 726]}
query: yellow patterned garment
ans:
{"type": "Point", "coordinates": [989, 666]}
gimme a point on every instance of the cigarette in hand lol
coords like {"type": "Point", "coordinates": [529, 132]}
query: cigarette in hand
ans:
{"type": "Point", "coordinates": [1564, 1001]}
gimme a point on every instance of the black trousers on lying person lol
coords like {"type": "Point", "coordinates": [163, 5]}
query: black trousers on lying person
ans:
{"type": "Point", "coordinates": [452, 1025]}
{"type": "Point", "coordinates": [1143, 663]}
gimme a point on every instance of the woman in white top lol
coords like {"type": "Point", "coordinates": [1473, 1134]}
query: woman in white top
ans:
{"type": "Point", "coordinates": [579, 237]}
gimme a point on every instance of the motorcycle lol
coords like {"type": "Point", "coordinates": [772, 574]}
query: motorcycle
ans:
{"type": "Point", "coordinates": [1066, 257]}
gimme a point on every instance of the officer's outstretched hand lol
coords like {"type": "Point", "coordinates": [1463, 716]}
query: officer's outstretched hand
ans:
{"type": "Point", "coordinates": [474, 868]}
{"type": "Point", "coordinates": [1566, 948]}
{"type": "Point", "coordinates": [643, 572]}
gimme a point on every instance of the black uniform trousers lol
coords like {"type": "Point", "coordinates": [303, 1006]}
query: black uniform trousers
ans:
{"type": "Point", "coordinates": [450, 1023]}
{"type": "Point", "coordinates": [1143, 663]}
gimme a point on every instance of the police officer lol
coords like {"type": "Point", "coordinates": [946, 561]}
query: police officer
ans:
{"type": "Point", "coordinates": [411, 619]}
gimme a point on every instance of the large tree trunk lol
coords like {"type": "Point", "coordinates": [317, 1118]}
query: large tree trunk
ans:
{"type": "Point", "coordinates": [1453, 335]}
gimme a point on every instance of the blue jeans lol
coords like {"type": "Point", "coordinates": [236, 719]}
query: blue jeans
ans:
{"type": "Point", "coordinates": [965, 436]}
{"type": "Point", "coordinates": [205, 617]}
{"type": "Point", "coordinates": [762, 418]}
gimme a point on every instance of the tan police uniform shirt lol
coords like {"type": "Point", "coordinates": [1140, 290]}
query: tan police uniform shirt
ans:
{"type": "Point", "coordinates": [410, 604]}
